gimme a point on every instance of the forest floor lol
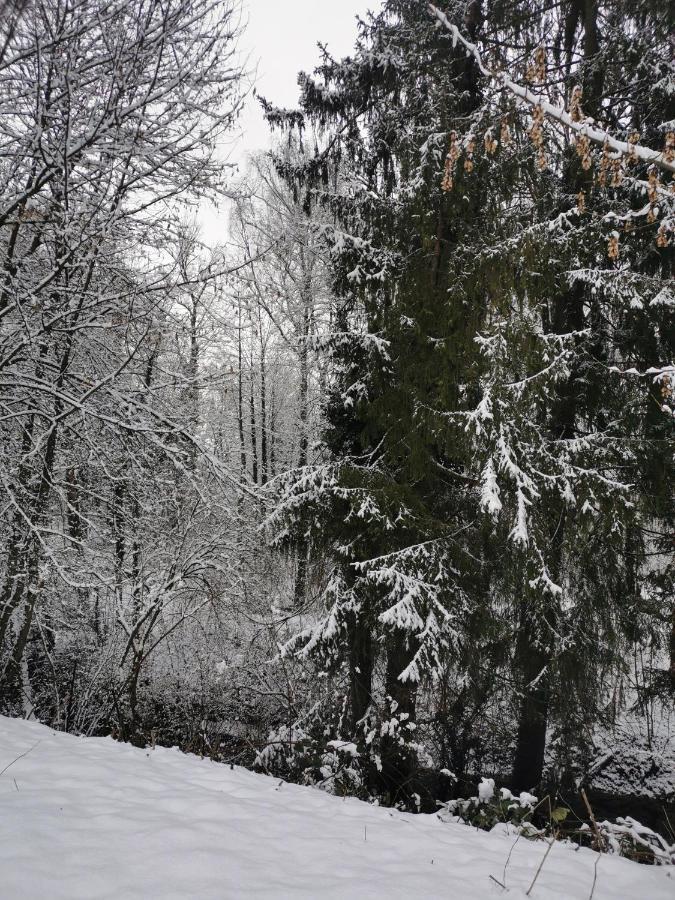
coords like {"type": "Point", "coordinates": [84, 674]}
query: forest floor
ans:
{"type": "Point", "coordinates": [92, 818]}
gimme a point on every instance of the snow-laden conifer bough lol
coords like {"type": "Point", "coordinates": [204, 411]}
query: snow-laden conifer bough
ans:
{"type": "Point", "coordinates": [585, 127]}
{"type": "Point", "coordinates": [91, 818]}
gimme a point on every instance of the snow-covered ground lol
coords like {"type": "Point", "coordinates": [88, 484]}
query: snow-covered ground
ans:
{"type": "Point", "coordinates": [91, 818]}
{"type": "Point", "coordinates": [637, 755]}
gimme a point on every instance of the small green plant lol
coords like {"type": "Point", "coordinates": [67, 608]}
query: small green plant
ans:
{"type": "Point", "coordinates": [490, 808]}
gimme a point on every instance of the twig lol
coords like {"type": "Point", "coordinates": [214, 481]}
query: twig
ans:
{"type": "Point", "coordinates": [600, 845]}
{"type": "Point", "coordinates": [19, 757]}
{"type": "Point", "coordinates": [595, 876]}
{"type": "Point", "coordinates": [541, 866]}
{"type": "Point", "coordinates": [497, 881]}
{"type": "Point", "coordinates": [508, 858]}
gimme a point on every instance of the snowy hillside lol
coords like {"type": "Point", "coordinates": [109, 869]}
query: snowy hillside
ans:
{"type": "Point", "coordinates": [91, 818]}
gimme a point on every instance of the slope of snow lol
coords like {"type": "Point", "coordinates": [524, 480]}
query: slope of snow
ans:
{"type": "Point", "coordinates": [91, 818]}
{"type": "Point", "coordinates": [632, 760]}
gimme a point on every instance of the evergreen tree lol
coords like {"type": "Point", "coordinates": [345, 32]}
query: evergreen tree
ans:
{"type": "Point", "coordinates": [486, 503]}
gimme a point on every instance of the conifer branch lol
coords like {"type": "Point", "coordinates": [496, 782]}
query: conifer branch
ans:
{"type": "Point", "coordinates": [585, 127]}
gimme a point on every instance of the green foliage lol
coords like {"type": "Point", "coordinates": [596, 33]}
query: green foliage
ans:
{"type": "Point", "coordinates": [491, 461]}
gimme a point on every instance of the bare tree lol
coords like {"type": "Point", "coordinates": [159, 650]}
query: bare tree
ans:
{"type": "Point", "coordinates": [111, 112]}
{"type": "Point", "coordinates": [289, 302]}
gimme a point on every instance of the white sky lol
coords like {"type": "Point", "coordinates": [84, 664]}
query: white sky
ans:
{"type": "Point", "coordinates": [280, 40]}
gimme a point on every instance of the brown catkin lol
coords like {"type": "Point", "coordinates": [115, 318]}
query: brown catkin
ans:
{"type": "Point", "coordinates": [633, 139]}
{"type": "Point", "coordinates": [662, 239]}
{"type": "Point", "coordinates": [669, 148]}
{"type": "Point", "coordinates": [576, 113]}
{"type": "Point", "coordinates": [450, 162]}
{"type": "Point", "coordinates": [468, 161]}
{"type": "Point", "coordinates": [613, 245]}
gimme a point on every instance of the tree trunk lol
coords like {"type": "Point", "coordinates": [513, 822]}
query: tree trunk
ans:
{"type": "Point", "coordinates": [193, 371]}
{"type": "Point", "coordinates": [528, 763]}
{"type": "Point", "coordinates": [361, 664]}
{"type": "Point", "coordinates": [398, 760]}
{"type": "Point", "coordinates": [240, 395]}
{"type": "Point", "coordinates": [253, 427]}
{"type": "Point", "coordinates": [263, 417]}
{"type": "Point", "coordinates": [300, 588]}
{"type": "Point", "coordinates": [273, 428]}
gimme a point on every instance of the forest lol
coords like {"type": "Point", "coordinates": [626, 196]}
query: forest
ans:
{"type": "Point", "coordinates": [375, 493]}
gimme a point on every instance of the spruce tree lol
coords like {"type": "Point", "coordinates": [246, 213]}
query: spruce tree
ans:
{"type": "Point", "coordinates": [493, 469]}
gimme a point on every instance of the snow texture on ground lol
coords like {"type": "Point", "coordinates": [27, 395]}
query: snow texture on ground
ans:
{"type": "Point", "coordinates": [90, 818]}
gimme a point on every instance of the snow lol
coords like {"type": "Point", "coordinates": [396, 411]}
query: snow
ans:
{"type": "Point", "coordinates": [637, 754]}
{"type": "Point", "coordinates": [91, 818]}
{"type": "Point", "coordinates": [347, 747]}
{"type": "Point", "coordinates": [486, 789]}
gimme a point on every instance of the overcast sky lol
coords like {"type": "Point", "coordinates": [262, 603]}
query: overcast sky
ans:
{"type": "Point", "coordinates": [279, 40]}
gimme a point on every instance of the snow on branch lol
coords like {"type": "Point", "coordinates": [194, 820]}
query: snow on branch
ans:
{"type": "Point", "coordinates": [585, 127]}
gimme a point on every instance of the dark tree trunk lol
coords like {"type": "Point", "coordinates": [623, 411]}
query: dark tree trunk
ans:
{"type": "Point", "coordinates": [533, 653]}
{"type": "Point", "coordinates": [399, 766]}
{"type": "Point", "coordinates": [361, 664]}
{"type": "Point", "coordinates": [402, 693]}
{"type": "Point", "coordinates": [528, 763]}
